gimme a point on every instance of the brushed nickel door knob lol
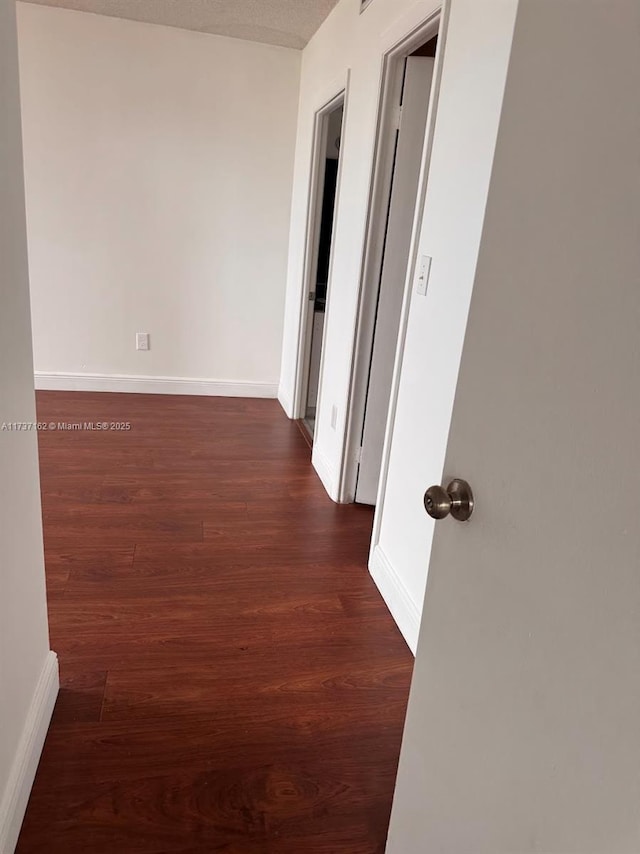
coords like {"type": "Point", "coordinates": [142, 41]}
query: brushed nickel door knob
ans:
{"type": "Point", "coordinates": [456, 501]}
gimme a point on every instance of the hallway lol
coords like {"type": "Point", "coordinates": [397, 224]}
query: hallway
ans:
{"type": "Point", "coordinates": [231, 678]}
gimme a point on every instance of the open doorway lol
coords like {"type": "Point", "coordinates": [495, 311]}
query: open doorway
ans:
{"type": "Point", "coordinates": [400, 158]}
{"type": "Point", "coordinates": [328, 135]}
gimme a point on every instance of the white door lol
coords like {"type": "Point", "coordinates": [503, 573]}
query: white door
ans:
{"type": "Point", "coordinates": [315, 216]}
{"type": "Point", "coordinates": [523, 730]}
{"type": "Point", "coordinates": [415, 104]}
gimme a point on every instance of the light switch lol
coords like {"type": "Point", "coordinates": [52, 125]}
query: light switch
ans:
{"type": "Point", "coordinates": [424, 270]}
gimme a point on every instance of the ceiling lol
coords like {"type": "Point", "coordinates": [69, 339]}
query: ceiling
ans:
{"type": "Point", "coordinates": [289, 23]}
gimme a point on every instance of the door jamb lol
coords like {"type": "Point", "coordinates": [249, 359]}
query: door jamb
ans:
{"type": "Point", "coordinates": [314, 215]}
{"type": "Point", "coordinates": [434, 24]}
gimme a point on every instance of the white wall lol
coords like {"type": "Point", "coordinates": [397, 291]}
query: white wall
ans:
{"type": "Point", "coordinates": [347, 41]}
{"type": "Point", "coordinates": [28, 672]}
{"type": "Point", "coordinates": [158, 177]}
{"type": "Point", "coordinates": [463, 145]}
{"type": "Point", "coordinates": [478, 43]}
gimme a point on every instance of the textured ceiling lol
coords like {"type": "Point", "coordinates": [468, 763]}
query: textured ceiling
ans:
{"type": "Point", "coordinates": [290, 23]}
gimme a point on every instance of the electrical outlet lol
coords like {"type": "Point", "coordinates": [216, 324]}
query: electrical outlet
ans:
{"type": "Point", "coordinates": [334, 417]}
{"type": "Point", "coordinates": [423, 275]}
{"type": "Point", "coordinates": [142, 341]}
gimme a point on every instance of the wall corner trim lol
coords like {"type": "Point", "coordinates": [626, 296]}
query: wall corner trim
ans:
{"type": "Point", "coordinates": [152, 385]}
{"type": "Point", "coordinates": [25, 764]}
{"type": "Point", "coordinates": [403, 609]}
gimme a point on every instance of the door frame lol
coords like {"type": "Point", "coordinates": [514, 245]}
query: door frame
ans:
{"type": "Point", "coordinates": [373, 255]}
{"type": "Point", "coordinates": [315, 197]}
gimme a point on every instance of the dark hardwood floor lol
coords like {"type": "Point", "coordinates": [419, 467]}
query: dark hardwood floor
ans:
{"type": "Point", "coordinates": [231, 679]}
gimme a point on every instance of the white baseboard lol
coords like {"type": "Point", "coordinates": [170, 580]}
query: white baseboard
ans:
{"type": "Point", "coordinates": [403, 609]}
{"type": "Point", "coordinates": [23, 771]}
{"type": "Point", "coordinates": [325, 472]}
{"type": "Point", "coordinates": [151, 385]}
{"type": "Point", "coordinates": [285, 402]}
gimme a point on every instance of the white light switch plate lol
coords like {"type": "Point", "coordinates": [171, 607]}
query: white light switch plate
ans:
{"type": "Point", "coordinates": [424, 270]}
{"type": "Point", "coordinates": [142, 341]}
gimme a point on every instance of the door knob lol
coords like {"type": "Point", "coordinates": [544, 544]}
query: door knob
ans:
{"type": "Point", "coordinates": [456, 500]}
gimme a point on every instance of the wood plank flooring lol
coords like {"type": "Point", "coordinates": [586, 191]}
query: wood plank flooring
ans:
{"type": "Point", "coordinates": [231, 679]}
